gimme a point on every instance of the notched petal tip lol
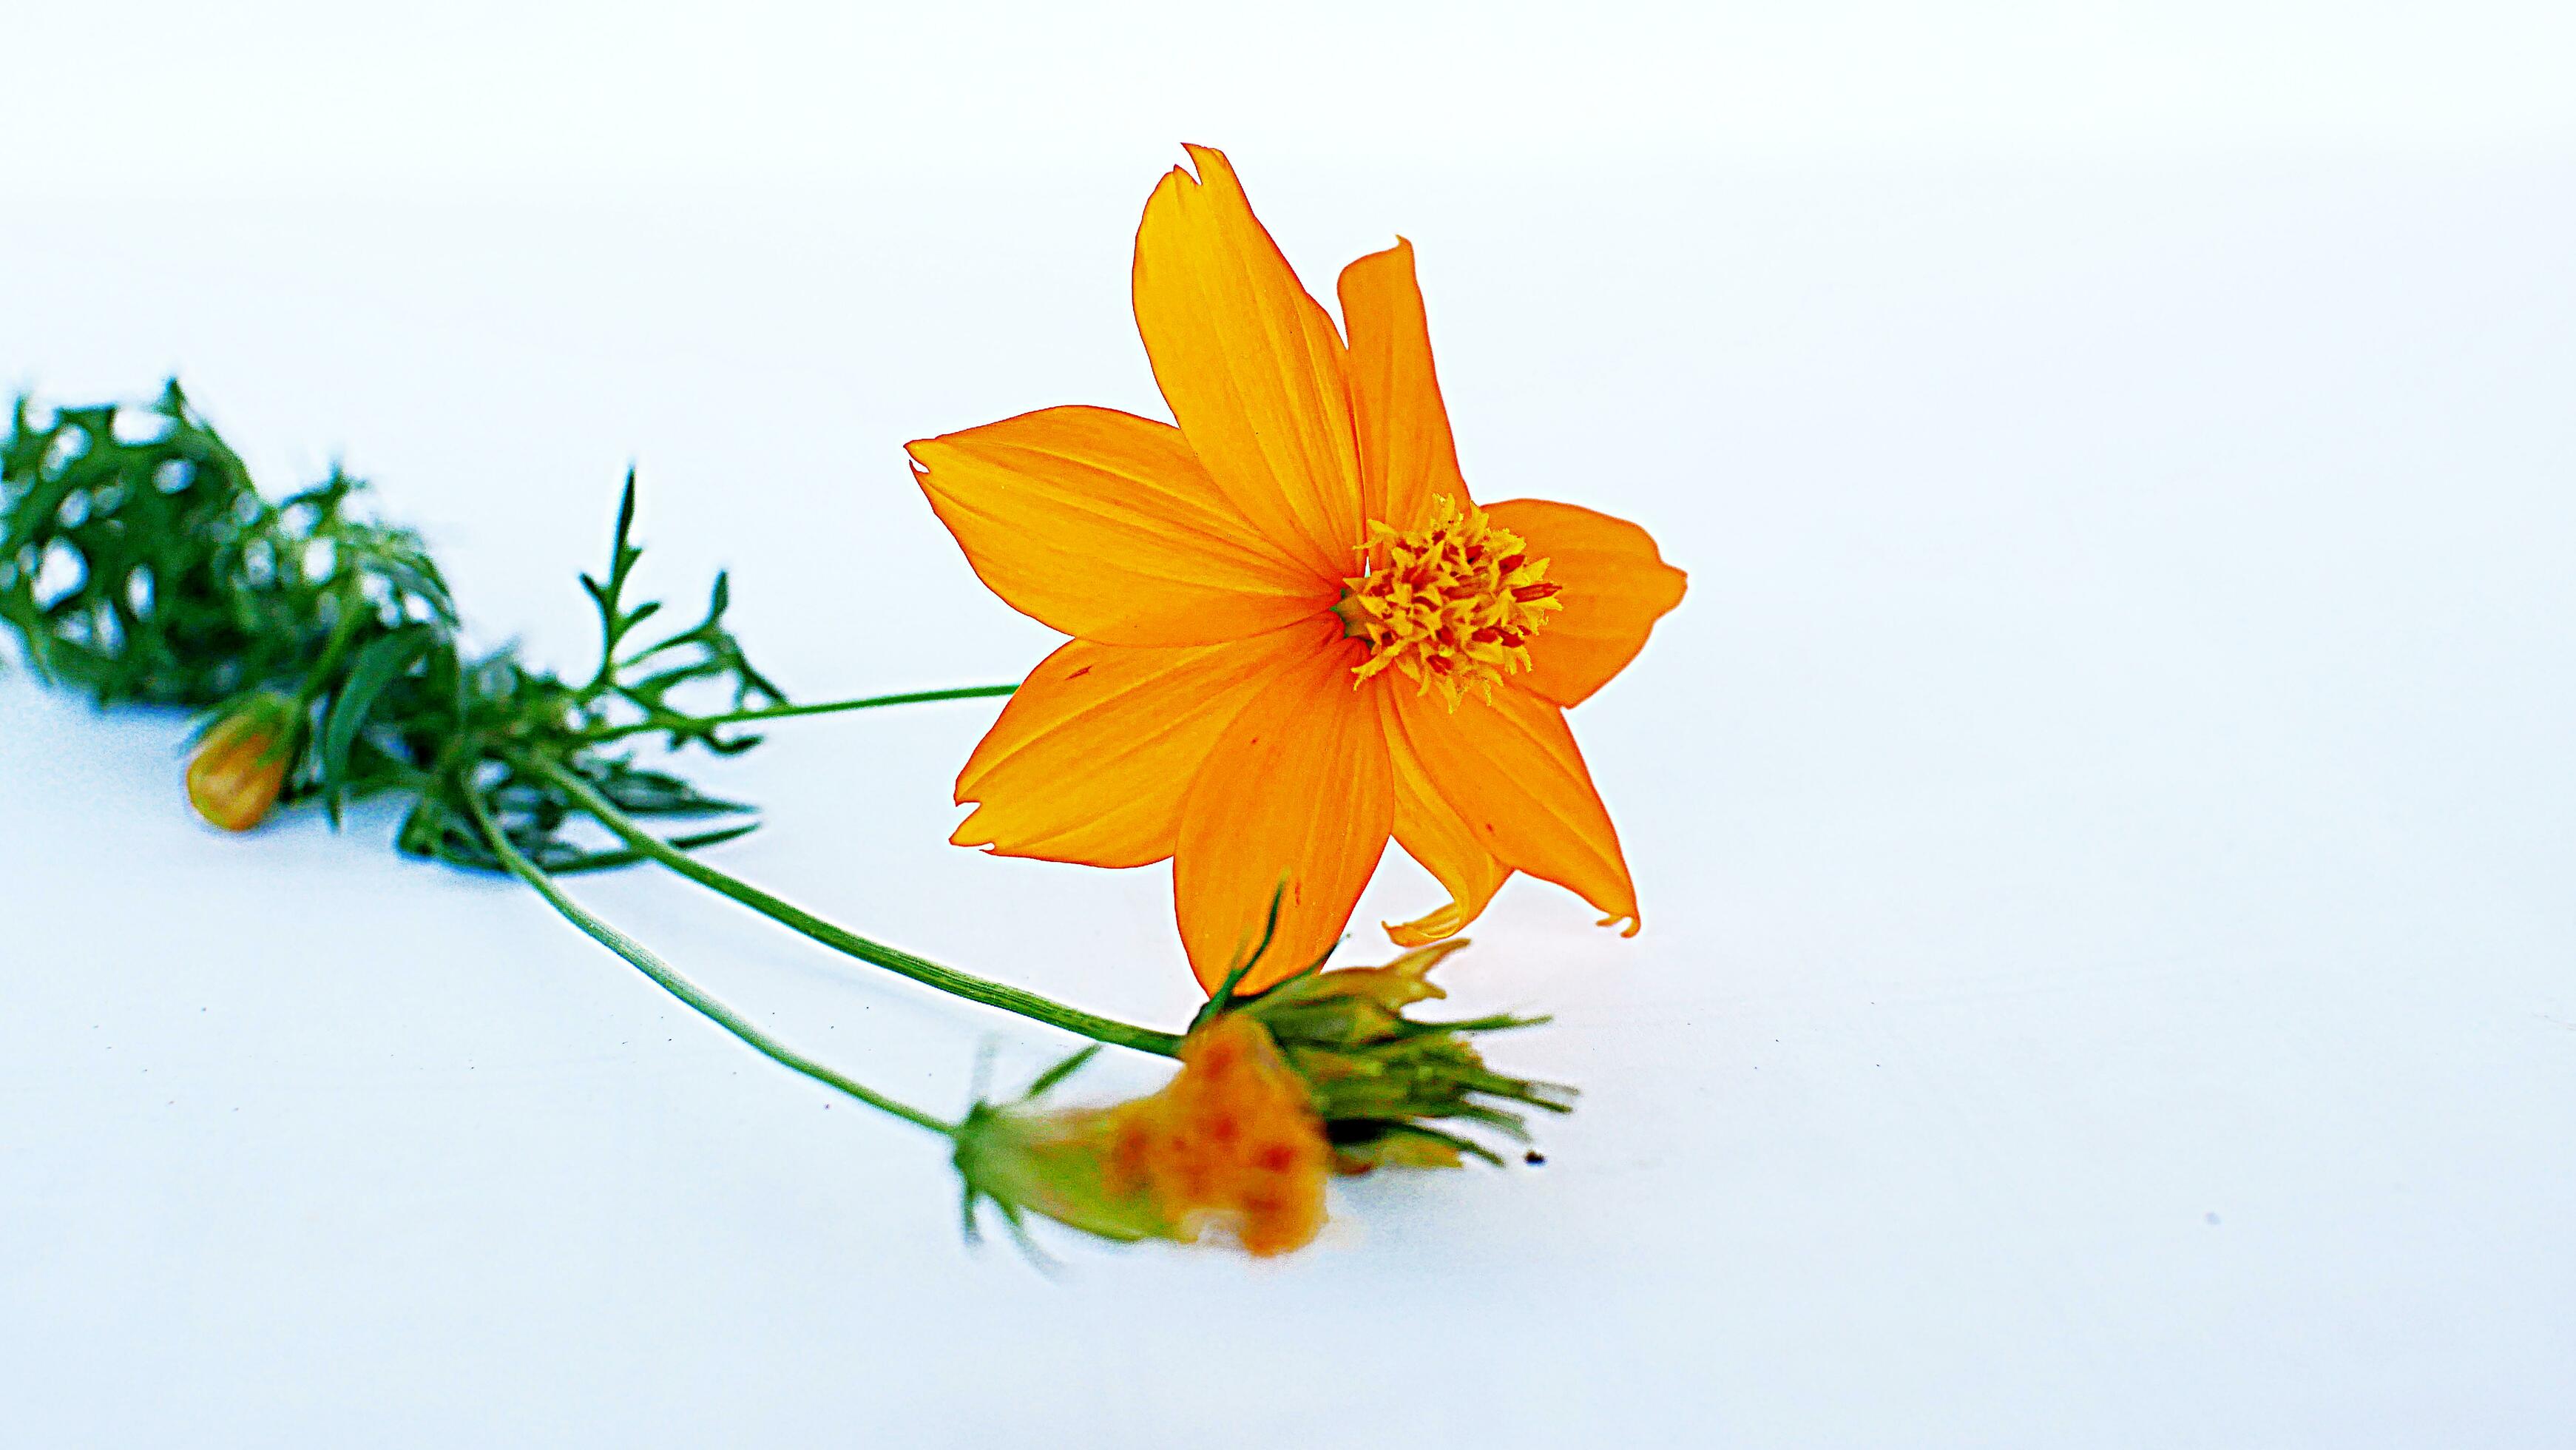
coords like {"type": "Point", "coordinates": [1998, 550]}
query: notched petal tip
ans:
{"type": "Point", "coordinates": [1403, 248]}
{"type": "Point", "coordinates": [1210, 164]}
{"type": "Point", "coordinates": [1635, 922]}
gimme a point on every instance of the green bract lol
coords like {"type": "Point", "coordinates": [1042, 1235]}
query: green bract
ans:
{"type": "Point", "coordinates": [1381, 1079]}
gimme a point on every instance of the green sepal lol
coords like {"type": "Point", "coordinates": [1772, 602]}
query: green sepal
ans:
{"type": "Point", "coordinates": [1380, 1079]}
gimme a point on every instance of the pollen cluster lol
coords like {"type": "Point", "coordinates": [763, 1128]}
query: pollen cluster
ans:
{"type": "Point", "coordinates": [1451, 604]}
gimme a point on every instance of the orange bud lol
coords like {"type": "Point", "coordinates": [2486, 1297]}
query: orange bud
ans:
{"type": "Point", "coordinates": [240, 765]}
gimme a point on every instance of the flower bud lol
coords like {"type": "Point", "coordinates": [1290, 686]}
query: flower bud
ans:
{"type": "Point", "coordinates": [240, 765]}
{"type": "Point", "coordinates": [1231, 1143]}
{"type": "Point", "coordinates": [1380, 1079]}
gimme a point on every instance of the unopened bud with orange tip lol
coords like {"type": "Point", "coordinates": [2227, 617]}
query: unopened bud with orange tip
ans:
{"type": "Point", "coordinates": [1393, 1090]}
{"type": "Point", "coordinates": [241, 762]}
{"type": "Point", "coordinates": [1231, 1144]}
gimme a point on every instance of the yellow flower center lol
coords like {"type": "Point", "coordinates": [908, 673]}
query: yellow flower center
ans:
{"type": "Point", "coordinates": [1452, 604]}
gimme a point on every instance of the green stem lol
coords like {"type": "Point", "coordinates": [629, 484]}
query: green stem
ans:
{"type": "Point", "coordinates": [643, 960]}
{"type": "Point", "coordinates": [600, 733]}
{"type": "Point", "coordinates": [353, 612]}
{"type": "Point", "coordinates": [903, 963]}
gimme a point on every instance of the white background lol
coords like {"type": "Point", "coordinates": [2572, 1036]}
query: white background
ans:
{"type": "Point", "coordinates": [2104, 814]}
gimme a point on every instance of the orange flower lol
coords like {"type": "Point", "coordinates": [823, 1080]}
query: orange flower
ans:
{"type": "Point", "coordinates": [1231, 1143]}
{"type": "Point", "coordinates": [1295, 633]}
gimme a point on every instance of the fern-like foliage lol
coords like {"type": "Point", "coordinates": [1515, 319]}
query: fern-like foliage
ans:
{"type": "Point", "coordinates": [141, 565]}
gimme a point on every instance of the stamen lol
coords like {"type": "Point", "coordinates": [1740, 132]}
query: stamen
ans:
{"type": "Point", "coordinates": [1452, 604]}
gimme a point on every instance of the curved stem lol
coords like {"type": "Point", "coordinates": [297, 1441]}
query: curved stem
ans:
{"type": "Point", "coordinates": [902, 963]}
{"type": "Point", "coordinates": [353, 612]}
{"type": "Point", "coordinates": [600, 733]}
{"type": "Point", "coordinates": [643, 960]}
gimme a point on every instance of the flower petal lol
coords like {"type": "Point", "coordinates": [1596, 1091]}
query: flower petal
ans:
{"type": "Point", "coordinates": [1407, 456]}
{"type": "Point", "coordinates": [1093, 756]}
{"type": "Point", "coordinates": [1616, 585]}
{"type": "Point", "coordinates": [1250, 364]}
{"type": "Point", "coordinates": [1103, 525]}
{"type": "Point", "coordinates": [1439, 838]}
{"type": "Point", "coordinates": [1512, 773]}
{"type": "Point", "coordinates": [1298, 791]}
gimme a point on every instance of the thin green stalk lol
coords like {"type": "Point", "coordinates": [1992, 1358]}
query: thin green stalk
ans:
{"type": "Point", "coordinates": [643, 960]}
{"type": "Point", "coordinates": [787, 712]}
{"type": "Point", "coordinates": [353, 612]}
{"type": "Point", "coordinates": [903, 963]}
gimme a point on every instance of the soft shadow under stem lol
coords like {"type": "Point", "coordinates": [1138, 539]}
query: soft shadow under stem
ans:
{"type": "Point", "coordinates": [643, 960]}
{"type": "Point", "coordinates": [928, 973]}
